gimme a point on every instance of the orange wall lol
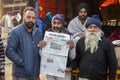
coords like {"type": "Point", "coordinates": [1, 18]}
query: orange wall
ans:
{"type": "Point", "coordinates": [107, 2]}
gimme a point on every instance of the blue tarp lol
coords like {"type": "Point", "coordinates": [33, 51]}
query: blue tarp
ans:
{"type": "Point", "coordinates": [39, 22]}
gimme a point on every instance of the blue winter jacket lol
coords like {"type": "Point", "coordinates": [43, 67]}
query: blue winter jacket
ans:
{"type": "Point", "coordinates": [23, 51]}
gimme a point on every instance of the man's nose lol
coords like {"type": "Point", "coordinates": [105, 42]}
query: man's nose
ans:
{"type": "Point", "coordinates": [92, 30]}
{"type": "Point", "coordinates": [55, 24]}
{"type": "Point", "coordinates": [31, 19]}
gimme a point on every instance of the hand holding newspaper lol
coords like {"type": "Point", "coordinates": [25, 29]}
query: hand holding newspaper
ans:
{"type": "Point", "coordinates": [54, 54]}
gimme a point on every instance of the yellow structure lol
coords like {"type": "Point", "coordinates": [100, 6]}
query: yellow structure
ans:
{"type": "Point", "coordinates": [1, 8]}
{"type": "Point", "coordinates": [12, 5]}
{"type": "Point", "coordinates": [16, 6]}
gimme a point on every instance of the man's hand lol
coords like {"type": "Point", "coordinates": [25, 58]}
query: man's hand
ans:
{"type": "Point", "coordinates": [70, 43]}
{"type": "Point", "coordinates": [42, 44]}
{"type": "Point", "coordinates": [68, 69]}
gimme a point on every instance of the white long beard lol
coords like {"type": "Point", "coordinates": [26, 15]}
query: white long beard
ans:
{"type": "Point", "coordinates": [92, 40]}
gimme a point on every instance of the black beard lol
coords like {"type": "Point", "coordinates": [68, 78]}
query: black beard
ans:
{"type": "Point", "coordinates": [82, 17]}
{"type": "Point", "coordinates": [56, 29]}
{"type": "Point", "coordinates": [29, 25]}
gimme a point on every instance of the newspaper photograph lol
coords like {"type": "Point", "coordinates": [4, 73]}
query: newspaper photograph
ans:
{"type": "Point", "coordinates": [54, 54]}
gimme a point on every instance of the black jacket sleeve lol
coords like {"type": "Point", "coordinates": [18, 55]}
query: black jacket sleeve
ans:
{"type": "Point", "coordinates": [111, 58]}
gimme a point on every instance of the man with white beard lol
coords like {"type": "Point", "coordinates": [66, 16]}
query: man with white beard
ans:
{"type": "Point", "coordinates": [95, 54]}
{"type": "Point", "coordinates": [92, 38]}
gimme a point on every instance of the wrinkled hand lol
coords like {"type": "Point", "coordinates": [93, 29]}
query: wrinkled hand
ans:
{"type": "Point", "coordinates": [70, 43]}
{"type": "Point", "coordinates": [42, 44]}
{"type": "Point", "coordinates": [68, 69]}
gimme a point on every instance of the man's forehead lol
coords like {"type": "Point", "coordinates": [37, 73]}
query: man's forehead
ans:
{"type": "Point", "coordinates": [29, 12]}
{"type": "Point", "coordinates": [56, 20]}
{"type": "Point", "coordinates": [93, 25]}
{"type": "Point", "coordinates": [83, 9]}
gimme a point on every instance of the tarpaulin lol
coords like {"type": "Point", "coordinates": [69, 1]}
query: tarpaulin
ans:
{"type": "Point", "coordinates": [53, 6]}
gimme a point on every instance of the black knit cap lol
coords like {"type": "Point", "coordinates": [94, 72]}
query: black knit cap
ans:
{"type": "Point", "coordinates": [82, 5]}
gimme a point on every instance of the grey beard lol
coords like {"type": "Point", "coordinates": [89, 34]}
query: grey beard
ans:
{"type": "Point", "coordinates": [92, 40]}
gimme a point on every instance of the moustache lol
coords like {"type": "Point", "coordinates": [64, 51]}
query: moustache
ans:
{"type": "Point", "coordinates": [90, 33]}
{"type": "Point", "coordinates": [29, 25]}
{"type": "Point", "coordinates": [56, 29]}
{"type": "Point", "coordinates": [82, 17]}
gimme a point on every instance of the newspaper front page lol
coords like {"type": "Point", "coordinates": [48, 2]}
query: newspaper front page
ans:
{"type": "Point", "coordinates": [54, 54]}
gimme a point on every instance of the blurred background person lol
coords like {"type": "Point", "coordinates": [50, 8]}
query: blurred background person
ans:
{"type": "Point", "coordinates": [7, 25]}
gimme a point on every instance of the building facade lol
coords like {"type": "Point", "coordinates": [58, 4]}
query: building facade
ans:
{"type": "Point", "coordinates": [16, 6]}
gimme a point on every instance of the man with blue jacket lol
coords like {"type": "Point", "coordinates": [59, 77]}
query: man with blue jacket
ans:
{"type": "Point", "coordinates": [22, 48]}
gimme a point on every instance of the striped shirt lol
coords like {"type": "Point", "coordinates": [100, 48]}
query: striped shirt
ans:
{"type": "Point", "coordinates": [2, 58]}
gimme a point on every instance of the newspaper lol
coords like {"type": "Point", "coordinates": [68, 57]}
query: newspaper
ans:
{"type": "Point", "coordinates": [54, 54]}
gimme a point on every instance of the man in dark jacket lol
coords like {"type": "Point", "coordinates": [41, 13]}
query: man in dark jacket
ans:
{"type": "Point", "coordinates": [58, 27]}
{"type": "Point", "coordinates": [95, 54]}
{"type": "Point", "coordinates": [22, 48]}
